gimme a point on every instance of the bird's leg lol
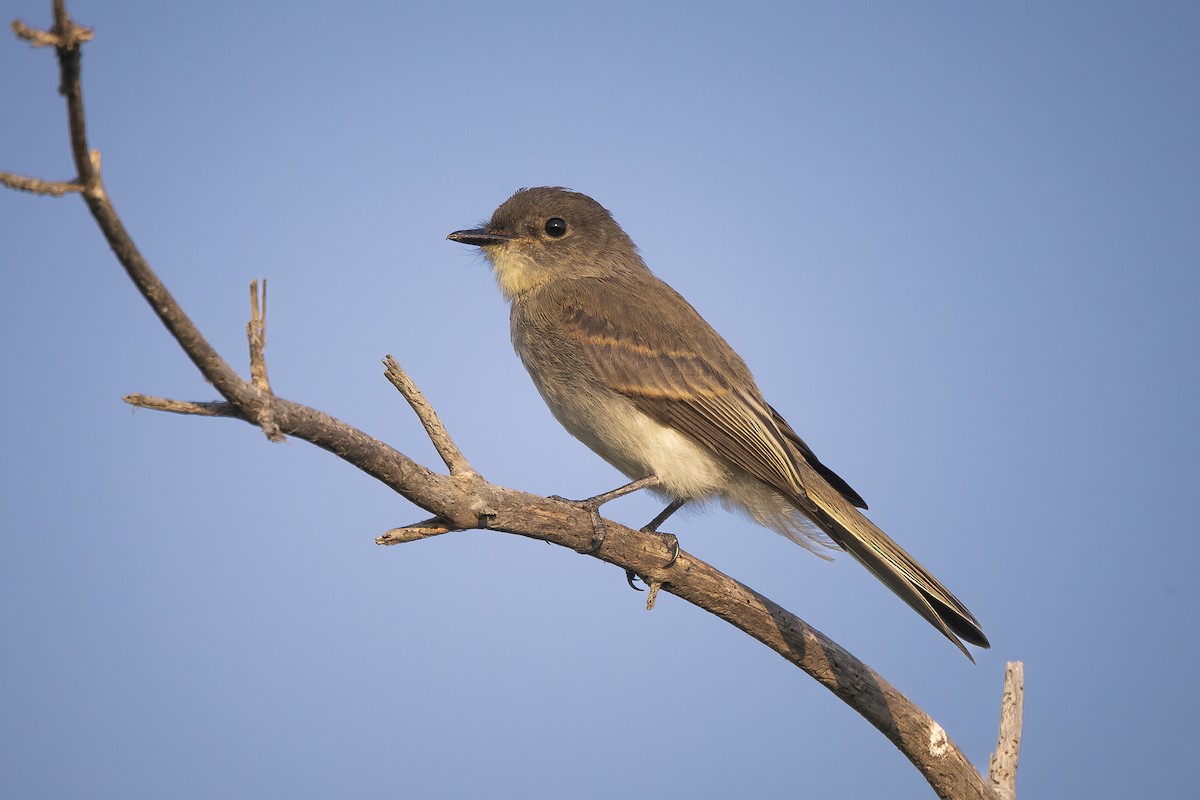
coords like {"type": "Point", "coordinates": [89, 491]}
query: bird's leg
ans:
{"type": "Point", "coordinates": [671, 540]}
{"type": "Point", "coordinates": [652, 525]}
{"type": "Point", "coordinates": [592, 504]}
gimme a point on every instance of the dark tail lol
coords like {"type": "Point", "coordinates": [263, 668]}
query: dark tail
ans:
{"type": "Point", "coordinates": [887, 561]}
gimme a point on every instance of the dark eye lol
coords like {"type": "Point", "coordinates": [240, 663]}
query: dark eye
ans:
{"type": "Point", "coordinates": [556, 227]}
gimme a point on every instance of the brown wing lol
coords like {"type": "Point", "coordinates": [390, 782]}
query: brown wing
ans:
{"type": "Point", "coordinates": [679, 371]}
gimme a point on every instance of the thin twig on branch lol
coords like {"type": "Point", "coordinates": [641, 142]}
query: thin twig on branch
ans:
{"type": "Point", "coordinates": [180, 406]}
{"type": "Point", "coordinates": [256, 334]}
{"type": "Point", "coordinates": [38, 186]}
{"type": "Point", "coordinates": [463, 499]}
{"type": "Point", "coordinates": [455, 461]}
{"type": "Point", "coordinates": [59, 36]}
{"type": "Point", "coordinates": [415, 532]}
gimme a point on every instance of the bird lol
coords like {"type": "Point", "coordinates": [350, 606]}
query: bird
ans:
{"type": "Point", "coordinates": [634, 372]}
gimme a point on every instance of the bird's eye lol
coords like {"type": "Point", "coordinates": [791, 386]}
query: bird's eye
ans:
{"type": "Point", "coordinates": [556, 227]}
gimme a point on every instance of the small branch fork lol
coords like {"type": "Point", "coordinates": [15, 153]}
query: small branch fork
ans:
{"type": "Point", "coordinates": [462, 499]}
{"type": "Point", "coordinates": [66, 37]}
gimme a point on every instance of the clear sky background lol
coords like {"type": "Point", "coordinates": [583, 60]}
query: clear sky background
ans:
{"type": "Point", "coordinates": [957, 242]}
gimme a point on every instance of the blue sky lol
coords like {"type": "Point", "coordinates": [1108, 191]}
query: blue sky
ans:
{"type": "Point", "coordinates": [957, 243]}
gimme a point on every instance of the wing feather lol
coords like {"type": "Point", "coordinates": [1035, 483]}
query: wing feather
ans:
{"type": "Point", "coordinates": [698, 393]}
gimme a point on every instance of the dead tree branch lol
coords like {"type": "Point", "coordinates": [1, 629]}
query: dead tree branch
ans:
{"type": "Point", "coordinates": [463, 499]}
{"type": "Point", "coordinates": [1002, 767]}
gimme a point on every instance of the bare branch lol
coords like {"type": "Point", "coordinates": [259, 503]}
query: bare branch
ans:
{"type": "Point", "coordinates": [1002, 767]}
{"type": "Point", "coordinates": [256, 333]}
{"type": "Point", "coordinates": [73, 37]}
{"type": "Point", "coordinates": [652, 596]}
{"type": "Point", "coordinates": [35, 37]}
{"type": "Point", "coordinates": [66, 37]}
{"type": "Point", "coordinates": [38, 186]}
{"type": "Point", "coordinates": [180, 406]}
{"type": "Point", "coordinates": [455, 461]}
{"type": "Point", "coordinates": [415, 532]}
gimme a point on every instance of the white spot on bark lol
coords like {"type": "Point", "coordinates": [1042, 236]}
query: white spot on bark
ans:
{"type": "Point", "coordinates": [939, 743]}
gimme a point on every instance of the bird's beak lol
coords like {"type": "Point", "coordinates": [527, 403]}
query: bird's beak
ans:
{"type": "Point", "coordinates": [479, 237]}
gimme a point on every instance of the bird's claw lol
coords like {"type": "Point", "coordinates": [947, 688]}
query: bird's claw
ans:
{"type": "Point", "coordinates": [672, 543]}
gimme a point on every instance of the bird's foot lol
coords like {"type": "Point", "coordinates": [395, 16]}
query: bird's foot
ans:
{"type": "Point", "coordinates": [593, 508]}
{"type": "Point", "coordinates": [672, 543]}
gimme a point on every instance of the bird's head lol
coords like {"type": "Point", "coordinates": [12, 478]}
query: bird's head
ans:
{"type": "Point", "coordinates": [549, 233]}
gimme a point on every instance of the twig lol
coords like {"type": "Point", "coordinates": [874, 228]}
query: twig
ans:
{"type": "Point", "coordinates": [180, 406]}
{"type": "Point", "coordinates": [417, 531]}
{"type": "Point", "coordinates": [256, 334]}
{"type": "Point", "coordinates": [38, 186]}
{"type": "Point", "coordinates": [652, 595]}
{"type": "Point", "coordinates": [75, 35]}
{"type": "Point", "coordinates": [1002, 767]}
{"type": "Point", "coordinates": [455, 461]}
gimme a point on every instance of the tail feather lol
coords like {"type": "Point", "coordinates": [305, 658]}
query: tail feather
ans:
{"type": "Point", "coordinates": [887, 561]}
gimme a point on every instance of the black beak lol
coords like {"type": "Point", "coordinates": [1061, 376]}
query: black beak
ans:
{"type": "Point", "coordinates": [479, 237]}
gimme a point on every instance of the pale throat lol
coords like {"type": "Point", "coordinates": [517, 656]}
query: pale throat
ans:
{"type": "Point", "coordinates": [516, 272]}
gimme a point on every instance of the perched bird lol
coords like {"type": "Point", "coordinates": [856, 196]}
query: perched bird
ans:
{"type": "Point", "coordinates": [635, 373]}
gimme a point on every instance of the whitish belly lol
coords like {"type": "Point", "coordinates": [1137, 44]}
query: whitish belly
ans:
{"type": "Point", "coordinates": [639, 446]}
